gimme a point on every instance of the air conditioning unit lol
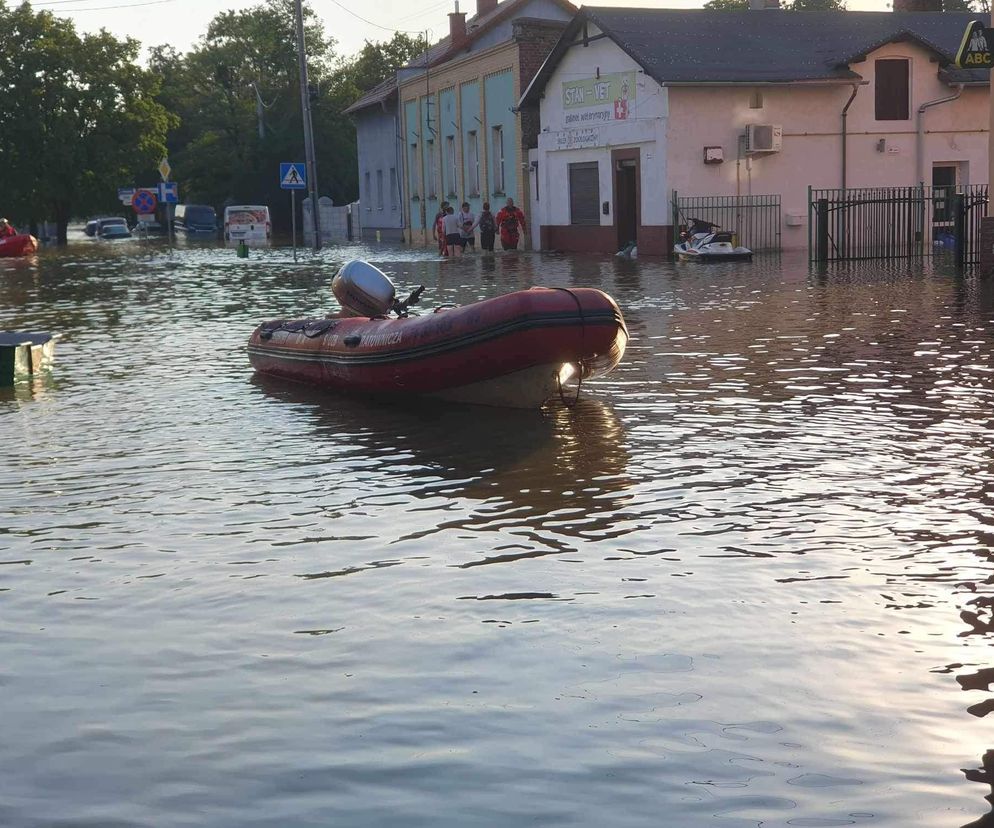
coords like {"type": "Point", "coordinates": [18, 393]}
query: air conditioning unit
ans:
{"type": "Point", "coordinates": [763, 138]}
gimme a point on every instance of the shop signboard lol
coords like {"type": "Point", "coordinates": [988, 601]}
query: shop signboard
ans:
{"type": "Point", "coordinates": [598, 100]}
{"type": "Point", "coordinates": [578, 138]}
{"type": "Point", "coordinates": [974, 50]}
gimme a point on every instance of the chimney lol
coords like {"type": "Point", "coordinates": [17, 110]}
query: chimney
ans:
{"type": "Point", "coordinates": [485, 7]}
{"type": "Point", "coordinates": [457, 28]}
{"type": "Point", "coordinates": [918, 5]}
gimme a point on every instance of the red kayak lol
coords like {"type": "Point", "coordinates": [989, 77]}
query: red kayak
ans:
{"type": "Point", "coordinates": [514, 350]}
{"type": "Point", "coordinates": [20, 245]}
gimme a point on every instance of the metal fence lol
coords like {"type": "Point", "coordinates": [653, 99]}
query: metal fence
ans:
{"type": "Point", "coordinates": [896, 222]}
{"type": "Point", "coordinates": [754, 219]}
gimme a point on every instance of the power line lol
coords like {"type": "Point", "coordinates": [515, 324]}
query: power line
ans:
{"type": "Point", "coordinates": [371, 23]}
{"type": "Point", "coordinates": [106, 8]}
{"type": "Point", "coordinates": [427, 10]}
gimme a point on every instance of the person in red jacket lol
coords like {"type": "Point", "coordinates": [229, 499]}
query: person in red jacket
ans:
{"type": "Point", "coordinates": [6, 229]}
{"type": "Point", "coordinates": [511, 222]}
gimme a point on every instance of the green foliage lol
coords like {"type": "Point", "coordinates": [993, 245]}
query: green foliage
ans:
{"type": "Point", "coordinates": [247, 62]}
{"type": "Point", "coordinates": [818, 5]}
{"type": "Point", "coordinates": [378, 61]}
{"type": "Point", "coordinates": [79, 117]}
{"type": "Point", "coordinates": [82, 118]}
{"type": "Point", "coordinates": [727, 5]}
{"type": "Point", "coordinates": [966, 6]}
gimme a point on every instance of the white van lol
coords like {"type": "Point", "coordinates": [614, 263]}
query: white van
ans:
{"type": "Point", "coordinates": [247, 222]}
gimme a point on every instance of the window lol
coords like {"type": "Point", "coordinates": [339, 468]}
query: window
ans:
{"type": "Point", "coordinates": [394, 192]}
{"type": "Point", "coordinates": [756, 99]}
{"type": "Point", "coordinates": [451, 171]}
{"type": "Point", "coordinates": [430, 183]}
{"type": "Point", "coordinates": [473, 163]}
{"type": "Point", "coordinates": [414, 165]}
{"type": "Point", "coordinates": [892, 89]}
{"type": "Point", "coordinates": [584, 193]}
{"type": "Point", "coordinates": [368, 194]}
{"type": "Point", "coordinates": [497, 147]}
{"type": "Point", "coordinates": [379, 189]}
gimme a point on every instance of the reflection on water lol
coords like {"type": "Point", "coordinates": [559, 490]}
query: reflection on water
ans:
{"type": "Point", "coordinates": [545, 476]}
{"type": "Point", "coordinates": [745, 582]}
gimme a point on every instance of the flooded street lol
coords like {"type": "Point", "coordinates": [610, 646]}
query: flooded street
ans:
{"type": "Point", "coordinates": [747, 581]}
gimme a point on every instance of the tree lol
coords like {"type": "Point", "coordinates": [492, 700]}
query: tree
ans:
{"type": "Point", "coordinates": [966, 6]}
{"type": "Point", "coordinates": [79, 117]}
{"type": "Point", "coordinates": [727, 5]}
{"type": "Point", "coordinates": [378, 61]}
{"type": "Point", "coordinates": [243, 71]}
{"type": "Point", "coordinates": [817, 5]}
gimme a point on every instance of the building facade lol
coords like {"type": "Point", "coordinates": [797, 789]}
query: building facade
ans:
{"type": "Point", "coordinates": [639, 105]}
{"type": "Point", "coordinates": [463, 136]}
{"type": "Point", "coordinates": [447, 128]}
{"type": "Point", "coordinates": [381, 164]}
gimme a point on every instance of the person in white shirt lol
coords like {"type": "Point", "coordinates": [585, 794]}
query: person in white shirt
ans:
{"type": "Point", "coordinates": [453, 232]}
{"type": "Point", "coordinates": [468, 225]}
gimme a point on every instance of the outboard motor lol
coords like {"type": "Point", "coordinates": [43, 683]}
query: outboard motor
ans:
{"type": "Point", "coordinates": [363, 290]}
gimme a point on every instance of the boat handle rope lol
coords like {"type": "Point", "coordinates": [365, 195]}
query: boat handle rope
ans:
{"type": "Point", "coordinates": [579, 363]}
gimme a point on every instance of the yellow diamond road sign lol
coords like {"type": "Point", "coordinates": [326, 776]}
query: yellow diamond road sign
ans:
{"type": "Point", "coordinates": [164, 169]}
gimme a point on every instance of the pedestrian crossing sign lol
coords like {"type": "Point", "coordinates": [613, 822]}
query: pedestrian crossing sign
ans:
{"type": "Point", "coordinates": [293, 176]}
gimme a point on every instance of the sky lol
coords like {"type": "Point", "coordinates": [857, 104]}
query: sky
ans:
{"type": "Point", "coordinates": [180, 23]}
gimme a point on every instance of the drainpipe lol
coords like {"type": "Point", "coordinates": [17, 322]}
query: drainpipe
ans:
{"type": "Point", "coordinates": [845, 115]}
{"type": "Point", "coordinates": [920, 137]}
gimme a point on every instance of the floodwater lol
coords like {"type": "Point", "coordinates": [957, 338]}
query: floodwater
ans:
{"type": "Point", "coordinates": [746, 582]}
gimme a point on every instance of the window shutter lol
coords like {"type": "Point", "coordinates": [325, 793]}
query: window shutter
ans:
{"type": "Point", "coordinates": [892, 88]}
{"type": "Point", "coordinates": [584, 193]}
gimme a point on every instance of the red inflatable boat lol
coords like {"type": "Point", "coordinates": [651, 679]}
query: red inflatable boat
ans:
{"type": "Point", "coordinates": [514, 350]}
{"type": "Point", "coordinates": [21, 245]}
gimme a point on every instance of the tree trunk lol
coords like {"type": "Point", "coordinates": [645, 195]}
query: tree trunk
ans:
{"type": "Point", "coordinates": [61, 225]}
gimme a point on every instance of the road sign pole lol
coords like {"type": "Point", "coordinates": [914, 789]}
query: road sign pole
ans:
{"type": "Point", "coordinates": [293, 221]}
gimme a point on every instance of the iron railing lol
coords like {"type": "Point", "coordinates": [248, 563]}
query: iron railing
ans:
{"type": "Point", "coordinates": [755, 219]}
{"type": "Point", "coordinates": [896, 222]}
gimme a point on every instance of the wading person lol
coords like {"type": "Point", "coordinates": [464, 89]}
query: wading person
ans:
{"type": "Point", "coordinates": [467, 224]}
{"type": "Point", "coordinates": [511, 222]}
{"type": "Point", "coordinates": [453, 232]}
{"type": "Point", "coordinates": [488, 228]}
{"type": "Point", "coordinates": [438, 232]}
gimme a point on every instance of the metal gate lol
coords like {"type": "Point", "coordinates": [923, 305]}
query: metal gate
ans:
{"type": "Point", "coordinates": [754, 219]}
{"type": "Point", "coordinates": [896, 222]}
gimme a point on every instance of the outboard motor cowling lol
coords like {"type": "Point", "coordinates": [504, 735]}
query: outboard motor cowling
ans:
{"type": "Point", "coordinates": [363, 290]}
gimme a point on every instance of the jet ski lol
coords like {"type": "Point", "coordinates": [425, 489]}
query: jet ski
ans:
{"type": "Point", "coordinates": [704, 241]}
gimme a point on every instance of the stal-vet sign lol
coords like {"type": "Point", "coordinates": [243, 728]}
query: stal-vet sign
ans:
{"type": "Point", "coordinates": [592, 101]}
{"type": "Point", "coordinates": [974, 50]}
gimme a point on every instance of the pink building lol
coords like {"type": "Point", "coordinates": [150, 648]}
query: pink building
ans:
{"type": "Point", "coordinates": [638, 104]}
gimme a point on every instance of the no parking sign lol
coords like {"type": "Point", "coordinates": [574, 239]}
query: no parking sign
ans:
{"type": "Point", "coordinates": [144, 202]}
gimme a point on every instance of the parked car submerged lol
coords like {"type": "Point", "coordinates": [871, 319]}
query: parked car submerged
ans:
{"type": "Point", "coordinates": [195, 221]}
{"type": "Point", "coordinates": [114, 229]}
{"type": "Point", "coordinates": [93, 225]}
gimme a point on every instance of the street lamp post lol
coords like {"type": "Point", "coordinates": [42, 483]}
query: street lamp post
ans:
{"type": "Point", "coordinates": [305, 111]}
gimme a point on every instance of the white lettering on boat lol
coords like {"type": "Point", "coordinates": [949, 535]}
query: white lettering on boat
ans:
{"type": "Point", "coordinates": [376, 340]}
